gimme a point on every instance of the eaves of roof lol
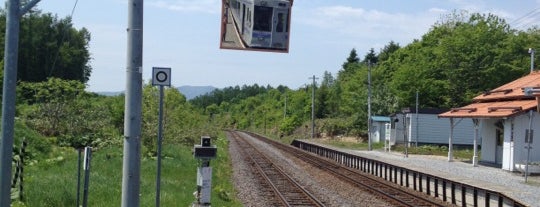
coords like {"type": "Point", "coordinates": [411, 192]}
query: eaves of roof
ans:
{"type": "Point", "coordinates": [499, 109]}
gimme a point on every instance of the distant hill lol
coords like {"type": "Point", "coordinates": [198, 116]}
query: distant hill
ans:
{"type": "Point", "coordinates": [105, 93]}
{"type": "Point", "coordinates": [110, 93]}
{"type": "Point", "coordinates": [189, 91]}
{"type": "Point", "coordinates": [193, 91]}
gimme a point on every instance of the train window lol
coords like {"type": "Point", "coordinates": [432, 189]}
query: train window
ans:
{"type": "Point", "coordinates": [281, 20]}
{"type": "Point", "coordinates": [288, 20]}
{"type": "Point", "coordinates": [263, 18]}
{"type": "Point", "coordinates": [258, 25]}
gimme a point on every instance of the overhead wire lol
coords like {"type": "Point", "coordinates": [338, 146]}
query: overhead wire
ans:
{"type": "Point", "coordinates": [527, 19]}
{"type": "Point", "coordinates": [66, 30]}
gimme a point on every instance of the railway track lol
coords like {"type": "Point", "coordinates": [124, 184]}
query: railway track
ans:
{"type": "Point", "coordinates": [281, 187]}
{"type": "Point", "coordinates": [385, 190]}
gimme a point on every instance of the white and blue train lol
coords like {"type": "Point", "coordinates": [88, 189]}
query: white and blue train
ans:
{"type": "Point", "coordinates": [262, 23]}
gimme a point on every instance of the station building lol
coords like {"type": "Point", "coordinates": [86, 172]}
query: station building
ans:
{"type": "Point", "coordinates": [501, 118]}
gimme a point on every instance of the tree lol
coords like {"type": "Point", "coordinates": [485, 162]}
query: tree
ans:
{"type": "Point", "coordinates": [371, 57]}
{"type": "Point", "coordinates": [459, 58]}
{"type": "Point", "coordinates": [326, 97]}
{"type": "Point", "coordinates": [349, 66]}
{"type": "Point", "coordinates": [51, 47]}
{"type": "Point", "coordinates": [388, 49]}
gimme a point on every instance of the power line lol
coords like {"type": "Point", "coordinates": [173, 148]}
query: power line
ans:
{"type": "Point", "coordinates": [524, 16]}
{"type": "Point", "coordinates": [66, 30]}
{"type": "Point", "coordinates": [527, 19]}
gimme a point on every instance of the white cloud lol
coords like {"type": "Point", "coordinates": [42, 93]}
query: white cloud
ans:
{"type": "Point", "coordinates": [197, 6]}
{"type": "Point", "coordinates": [340, 11]}
{"type": "Point", "coordinates": [438, 10]}
{"type": "Point", "coordinates": [371, 25]}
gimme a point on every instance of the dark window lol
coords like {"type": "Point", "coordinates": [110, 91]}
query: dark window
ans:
{"type": "Point", "coordinates": [287, 22]}
{"type": "Point", "coordinates": [280, 23]}
{"type": "Point", "coordinates": [500, 137]}
{"type": "Point", "coordinates": [262, 18]}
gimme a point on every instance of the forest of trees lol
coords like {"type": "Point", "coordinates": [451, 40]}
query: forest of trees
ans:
{"type": "Point", "coordinates": [460, 57]}
{"type": "Point", "coordinates": [52, 101]}
{"type": "Point", "coordinates": [50, 47]}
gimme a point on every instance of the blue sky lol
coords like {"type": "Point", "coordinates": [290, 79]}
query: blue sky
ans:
{"type": "Point", "coordinates": [184, 35]}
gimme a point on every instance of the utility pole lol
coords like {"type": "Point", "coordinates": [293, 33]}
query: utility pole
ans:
{"type": "Point", "coordinates": [11, 53]}
{"type": "Point", "coordinates": [369, 106]}
{"type": "Point", "coordinates": [313, 107]}
{"type": "Point", "coordinates": [285, 110]}
{"type": "Point", "coordinates": [133, 108]}
{"type": "Point", "coordinates": [532, 51]}
{"type": "Point", "coordinates": [417, 127]}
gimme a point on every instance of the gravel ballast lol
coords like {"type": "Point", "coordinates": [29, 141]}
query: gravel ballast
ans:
{"type": "Point", "coordinates": [332, 191]}
{"type": "Point", "coordinates": [493, 178]}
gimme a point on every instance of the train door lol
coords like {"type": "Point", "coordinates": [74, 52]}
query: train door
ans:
{"type": "Point", "coordinates": [280, 33]}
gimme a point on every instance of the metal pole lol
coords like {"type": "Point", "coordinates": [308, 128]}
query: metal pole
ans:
{"type": "Point", "coordinates": [450, 144]}
{"type": "Point", "coordinates": [133, 113]}
{"type": "Point", "coordinates": [532, 51]}
{"type": "Point", "coordinates": [87, 160]}
{"type": "Point", "coordinates": [79, 176]}
{"type": "Point", "coordinates": [11, 51]}
{"type": "Point", "coordinates": [405, 139]}
{"type": "Point", "coordinates": [530, 135]}
{"type": "Point", "coordinates": [417, 127]}
{"type": "Point", "coordinates": [369, 105]}
{"type": "Point", "coordinates": [475, 142]}
{"type": "Point", "coordinates": [313, 107]}
{"type": "Point", "coordinates": [285, 110]}
{"type": "Point", "coordinates": [160, 140]}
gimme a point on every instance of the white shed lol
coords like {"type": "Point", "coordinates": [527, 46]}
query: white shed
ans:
{"type": "Point", "coordinates": [425, 127]}
{"type": "Point", "coordinates": [378, 128]}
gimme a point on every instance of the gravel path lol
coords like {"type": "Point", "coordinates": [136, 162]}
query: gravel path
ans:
{"type": "Point", "coordinates": [332, 191]}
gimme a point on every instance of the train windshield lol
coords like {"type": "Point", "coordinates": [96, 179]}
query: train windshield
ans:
{"type": "Point", "coordinates": [262, 16]}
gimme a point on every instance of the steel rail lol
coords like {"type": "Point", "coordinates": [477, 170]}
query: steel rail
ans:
{"type": "Point", "coordinates": [290, 192]}
{"type": "Point", "coordinates": [392, 193]}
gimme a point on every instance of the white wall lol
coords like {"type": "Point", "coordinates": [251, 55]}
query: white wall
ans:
{"type": "Point", "coordinates": [487, 132]}
{"type": "Point", "coordinates": [434, 130]}
{"type": "Point", "coordinates": [514, 141]}
{"type": "Point", "coordinates": [378, 132]}
{"type": "Point", "coordinates": [521, 123]}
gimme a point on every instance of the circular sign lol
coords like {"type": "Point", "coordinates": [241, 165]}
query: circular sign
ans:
{"type": "Point", "coordinates": [161, 76]}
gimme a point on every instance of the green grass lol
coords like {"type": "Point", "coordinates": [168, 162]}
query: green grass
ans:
{"type": "Point", "coordinates": [350, 145]}
{"type": "Point", "coordinates": [54, 182]}
{"type": "Point", "coordinates": [460, 153]}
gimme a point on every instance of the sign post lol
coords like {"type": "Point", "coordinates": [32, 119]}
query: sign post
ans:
{"type": "Point", "coordinates": [160, 77]}
{"type": "Point", "coordinates": [86, 168]}
{"type": "Point", "coordinates": [528, 140]}
{"type": "Point", "coordinates": [204, 153]}
{"type": "Point", "coordinates": [387, 136]}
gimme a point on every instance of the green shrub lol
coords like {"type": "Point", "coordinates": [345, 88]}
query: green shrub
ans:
{"type": "Point", "coordinates": [289, 124]}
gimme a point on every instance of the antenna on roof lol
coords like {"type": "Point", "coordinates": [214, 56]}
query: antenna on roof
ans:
{"type": "Point", "coordinates": [532, 51]}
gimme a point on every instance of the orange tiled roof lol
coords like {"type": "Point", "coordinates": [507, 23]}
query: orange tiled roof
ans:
{"type": "Point", "coordinates": [512, 90]}
{"type": "Point", "coordinates": [499, 109]}
{"type": "Point", "coordinates": [505, 101]}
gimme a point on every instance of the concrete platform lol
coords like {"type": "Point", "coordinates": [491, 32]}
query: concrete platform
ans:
{"type": "Point", "coordinates": [487, 177]}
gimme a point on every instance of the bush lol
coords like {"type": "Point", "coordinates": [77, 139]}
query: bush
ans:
{"type": "Point", "coordinates": [289, 124]}
{"type": "Point", "coordinates": [334, 126]}
{"type": "Point", "coordinates": [37, 145]}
